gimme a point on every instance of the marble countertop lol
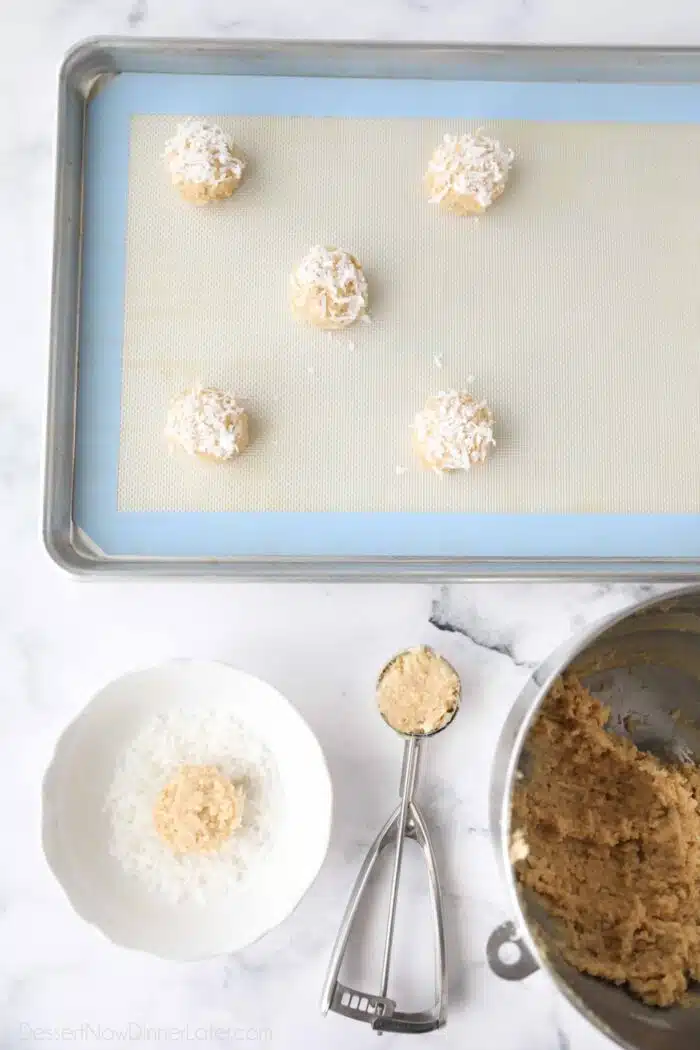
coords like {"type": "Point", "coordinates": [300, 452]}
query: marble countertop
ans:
{"type": "Point", "coordinates": [321, 645]}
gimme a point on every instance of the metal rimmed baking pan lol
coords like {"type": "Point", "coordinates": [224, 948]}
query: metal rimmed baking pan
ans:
{"type": "Point", "coordinates": [89, 528]}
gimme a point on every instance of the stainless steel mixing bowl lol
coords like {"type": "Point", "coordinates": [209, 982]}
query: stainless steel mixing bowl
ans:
{"type": "Point", "coordinates": [644, 663]}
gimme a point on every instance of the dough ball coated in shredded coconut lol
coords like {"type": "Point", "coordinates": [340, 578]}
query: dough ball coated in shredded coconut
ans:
{"type": "Point", "coordinates": [453, 431]}
{"type": "Point", "coordinates": [209, 423]}
{"type": "Point", "coordinates": [467, 173]}
{"type": "Point", "coordinates": [328, 289]}
{"type": "Point", "coordinates": [203, 162]}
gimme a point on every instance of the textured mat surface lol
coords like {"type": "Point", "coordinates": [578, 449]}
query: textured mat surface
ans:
{"type": "Point", "coordinates": [573, 303]}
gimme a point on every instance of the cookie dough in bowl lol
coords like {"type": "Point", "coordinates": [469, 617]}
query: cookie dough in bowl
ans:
{"type": "Point", "coordinates": [613, 848]}
{"type": "Point", "coordinates": [595, 815]}
{"type": "Point", "coordinates": [467, 173]}
{"type": "Point", "coordinates": [203, 162]}
{"type": "Point", "coordinates": [328, 289]}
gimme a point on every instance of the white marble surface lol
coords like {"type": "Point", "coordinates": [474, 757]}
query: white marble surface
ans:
{"type": "Point", "coordinates": [320, 645]}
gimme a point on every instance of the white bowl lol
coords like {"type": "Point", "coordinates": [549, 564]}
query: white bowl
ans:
{"type": "Point", "coordinates": [76, 825]}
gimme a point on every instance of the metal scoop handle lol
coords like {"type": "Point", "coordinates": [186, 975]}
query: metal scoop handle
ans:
{"type": "Point", "coordinates": [409, 773]}
{"type": "Point", "coordinates": [378, 1010]}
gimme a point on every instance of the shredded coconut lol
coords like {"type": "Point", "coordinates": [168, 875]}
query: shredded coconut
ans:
{"type": "Point", "coordinates": [519, 849]}
{"type": "Point", "coordinates": [469, 167]}
{"type": "Point", "coordinates": [207, 735]}
{"type": "Point", "coordinates": [201, 152]}
{"type": "Point", "coordinates": [329, 288]}
{"type": "Point", "coordinates": [453, 431]}
{"type": "Point", "coordinates": [207, 422]}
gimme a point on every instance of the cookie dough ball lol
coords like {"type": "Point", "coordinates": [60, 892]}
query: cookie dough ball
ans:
{"type": "Point", "coordinates": [453, 431]}
{"type": "Point", "coordinates": [467, 173]}
{"type": "Point", "coordinates": [209, 423]}
{"type": "Point", "coordinates": [328, 289]}
{"type": "Point", "coordinates": [202, 162]}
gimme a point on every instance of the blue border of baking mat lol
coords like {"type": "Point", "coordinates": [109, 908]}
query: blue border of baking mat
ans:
{"type": "Point", "coordinates": [220, 535]}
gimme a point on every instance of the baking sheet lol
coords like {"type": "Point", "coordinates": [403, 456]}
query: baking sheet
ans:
{"type": "Point", "coordinates": [573, 303]}
{"type": "Point", "coordinates": [497, 541]}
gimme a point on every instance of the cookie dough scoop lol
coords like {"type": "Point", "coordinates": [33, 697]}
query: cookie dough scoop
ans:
{"type": "Point", "coordinates": [418, 695]}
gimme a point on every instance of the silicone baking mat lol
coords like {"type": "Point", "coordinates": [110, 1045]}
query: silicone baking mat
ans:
{"type": "Point", "coordinates": [572, 303]}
